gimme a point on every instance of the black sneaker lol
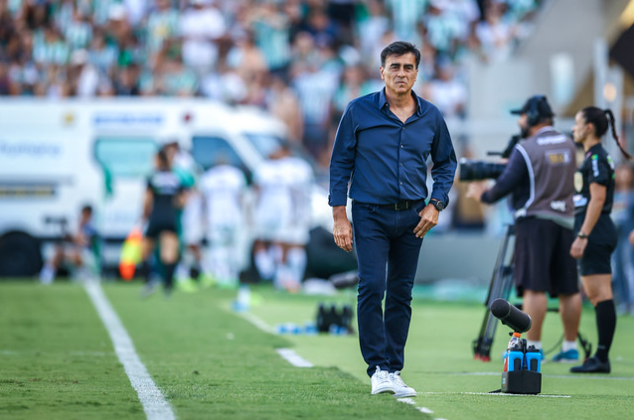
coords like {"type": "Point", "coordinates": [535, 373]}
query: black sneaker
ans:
{"type": "Point", "coordinates": [592, 365]}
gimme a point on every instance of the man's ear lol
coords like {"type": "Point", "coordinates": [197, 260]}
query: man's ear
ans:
{"type": "Point", "coordinates": [381, 70]}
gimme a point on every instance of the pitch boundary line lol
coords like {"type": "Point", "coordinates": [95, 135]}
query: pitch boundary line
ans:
{"type": "Point", "coordinates": [293, 358]}
{"type": "Point", "coordinates": [289, 355]}
{"type": "Point", "coordinates": [296, 360]}
{"type": "Point", "coordinates": [259, 323]}
{"type": "Point", "coordinates": [496, 393]}
{"type": "Point", "coordinates": [585, 377]}
{"type": "Point", "coordinates": [410, 401]}
{"type": "Point", "coordinates": [150, 396]}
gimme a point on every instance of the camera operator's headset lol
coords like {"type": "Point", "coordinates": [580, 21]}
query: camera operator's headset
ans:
{"type": "Point", "coordinates": [533, 114]}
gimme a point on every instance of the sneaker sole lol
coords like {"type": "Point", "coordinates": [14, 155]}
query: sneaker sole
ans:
{"type": "Point", "coordinates": [405, 394]}
{"type": "Point", "coordinates": [565, 361]}
{"type": "Point", "coordinates": [383, 391]}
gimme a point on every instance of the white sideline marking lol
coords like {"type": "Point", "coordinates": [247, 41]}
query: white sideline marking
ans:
{"type": "Point", "coordinates": [294, 358]}
{"type": "Point", "coordinates": [497, 393]}
{"type": "Point", "coordinates": [154, 404]}
{"type": "Point", "coordinates": [72, 353]}
{"type": "Point", "coordinates": [290, 355]}
{"type": "Point", "coordinates": [584, 377]}
{"type": "Point", "coordinates": [257, 322]}
{"type": "Point", "coordinates": [412, 402]}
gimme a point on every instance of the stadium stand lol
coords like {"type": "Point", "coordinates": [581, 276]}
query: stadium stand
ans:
{"type": "Point", "coordinates": [275, 54]}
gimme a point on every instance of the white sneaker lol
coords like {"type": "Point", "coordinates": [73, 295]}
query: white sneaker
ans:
{"type": "Point", "coordinates": [401, 390]}
{"type": "Point", "coordinates": [382, 382]}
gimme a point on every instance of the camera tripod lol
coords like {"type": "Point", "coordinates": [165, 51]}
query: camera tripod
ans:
{"type": "Point", "coordinates": [500, 287]}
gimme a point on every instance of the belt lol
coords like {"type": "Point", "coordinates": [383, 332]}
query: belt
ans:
{"type": "Point", "coordinates": [401, 205]}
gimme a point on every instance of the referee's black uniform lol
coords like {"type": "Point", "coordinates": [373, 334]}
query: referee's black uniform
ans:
{"type": "Point", "coordinates": [597, 167]}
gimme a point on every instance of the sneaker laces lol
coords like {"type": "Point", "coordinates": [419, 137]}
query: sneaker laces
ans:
{"type": "Point", "coordinates": [382, 375]}
{"type": "Point", "coordinates": [396, 378]}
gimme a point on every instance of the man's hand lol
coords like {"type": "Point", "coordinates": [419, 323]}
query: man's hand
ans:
{"type": "Point", "coordinates": [578, 247]}
{"type": "Point", "coordinates": [428, 219]}
{"type": "Point", "coordinates": [475, 190]}
{"type": "Point", "coordinates": [342, 231]}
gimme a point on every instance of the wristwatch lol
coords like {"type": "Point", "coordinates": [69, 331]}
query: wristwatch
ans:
{"type": "Point", "coordinates": [582, 235]}
{"type": "Point", "coordinates": [440, 206]}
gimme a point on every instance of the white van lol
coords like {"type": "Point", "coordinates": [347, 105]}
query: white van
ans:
{"type": "Point", "coordinates": [56, 156]}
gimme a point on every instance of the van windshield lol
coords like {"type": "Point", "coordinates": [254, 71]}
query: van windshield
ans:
{"type": "Point", "coordinates": [208, 151]}
{"type": "Point", "coordinates": [125, 157]}
{"type": "Point", "coordinates": [264, 143]}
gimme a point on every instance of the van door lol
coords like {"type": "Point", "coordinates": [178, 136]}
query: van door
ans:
{"type": "Point", "coordinates": [126, 163]}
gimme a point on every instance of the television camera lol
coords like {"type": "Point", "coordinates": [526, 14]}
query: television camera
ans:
{"type": "Point", "coordinates": [477, 170]}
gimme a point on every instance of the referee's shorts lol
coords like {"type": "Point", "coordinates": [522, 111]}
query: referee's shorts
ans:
{"type": "Point", "coordinates": [542, 261]}
{"type": "Point", "coordinates": [155, 227]}
{"type": "Point", "coordinates": [601, 244]}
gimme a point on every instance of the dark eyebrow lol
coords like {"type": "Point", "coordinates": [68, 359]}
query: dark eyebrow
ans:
{"type": "Point", "coordinates": [406, 65]}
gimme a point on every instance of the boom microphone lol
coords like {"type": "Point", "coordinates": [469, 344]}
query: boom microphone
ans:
{"type": "Point", "coordinates": [517, 320]}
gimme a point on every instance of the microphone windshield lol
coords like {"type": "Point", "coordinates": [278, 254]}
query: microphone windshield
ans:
{"type": "Point", "coordinates": [517, 320]}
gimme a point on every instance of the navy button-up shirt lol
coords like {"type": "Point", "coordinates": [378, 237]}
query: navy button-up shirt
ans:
{"type": "Point", "coordinates": [386, 158]}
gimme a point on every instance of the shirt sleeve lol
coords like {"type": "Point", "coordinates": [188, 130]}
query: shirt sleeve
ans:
{"type": "Point", "coordinates": [444, 162]}
{"type": "Point", "coordinates": [342, 160]}
{"type": "Point", "coordinates": [512, 176]}
{"type": "Point", "coordinates": [599, 170]}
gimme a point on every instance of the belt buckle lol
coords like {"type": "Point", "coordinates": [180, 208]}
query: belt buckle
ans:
{"type": "Point", "coordinates": [403, 205]}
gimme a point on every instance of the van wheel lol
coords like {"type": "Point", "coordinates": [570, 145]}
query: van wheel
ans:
{"type": "Point", "coordinates": [20, 255]}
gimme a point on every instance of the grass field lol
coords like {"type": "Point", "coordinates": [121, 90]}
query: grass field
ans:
{"type": "Point", "coordinates": [57, 361]}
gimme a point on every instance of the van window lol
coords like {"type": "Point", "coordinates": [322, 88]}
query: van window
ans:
{"type": "Point", "coordinates": [209, 150]}
{"type": "Point", "coordinates": [264, 143]}
{"type": "Point", "coordinates": [124, 157]}
{"type": "Point", "coordinates": [269, 143]}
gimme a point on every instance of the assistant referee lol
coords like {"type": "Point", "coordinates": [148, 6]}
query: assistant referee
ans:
{"type": "Point", "coordinates": [596, 233]}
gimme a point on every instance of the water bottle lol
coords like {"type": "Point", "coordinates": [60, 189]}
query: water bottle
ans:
{"type": "Point", "coordinates": [288, 328]}
{"type": "Point", "coordinates": [514, 355]}
{"type": "Point", "coordinates": [334, 316]}
{"type": "Point", "coordinates": [281, 329]}
{"type": "Point", "coordinates": [310, 328]}
{"type": "Point", "coordinates": [243, 301]}
{"type": "Point", "coordinates": [346, 318]}
{"type": "Point", "coordinates": [533, 359]}
{"type": "Point", "coordinates": [320, 322]}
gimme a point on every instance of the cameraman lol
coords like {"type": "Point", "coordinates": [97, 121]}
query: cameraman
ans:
{"type": "Point", "coordinates": [539, 176]}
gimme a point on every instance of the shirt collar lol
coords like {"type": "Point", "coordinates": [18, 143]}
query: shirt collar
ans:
{"type": "Point", "coordinates": [594, 149]}
{"type": "Point", "coordinates": [544, 129]}
{"type": "Point", "coordinates": [419, 102]}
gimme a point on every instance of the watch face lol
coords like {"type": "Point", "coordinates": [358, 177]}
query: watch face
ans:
{"type": "Point", "coordinates": [439, 205]}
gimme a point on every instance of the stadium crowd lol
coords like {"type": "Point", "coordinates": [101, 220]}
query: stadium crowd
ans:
{"type": "Point", "coordinates": [303, 60]}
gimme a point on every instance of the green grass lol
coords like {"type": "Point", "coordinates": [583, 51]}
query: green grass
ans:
{"type": "Point", "coordinates": [57, 361]}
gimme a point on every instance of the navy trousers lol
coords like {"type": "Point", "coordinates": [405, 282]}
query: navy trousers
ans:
{"type": "Point", "coordinates": [387, 252]}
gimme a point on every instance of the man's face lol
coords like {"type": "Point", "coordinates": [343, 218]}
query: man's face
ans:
{"type": "Point", "coordinates": [399, 73]}
{"type": "Point", "coordinates": [522, 122]}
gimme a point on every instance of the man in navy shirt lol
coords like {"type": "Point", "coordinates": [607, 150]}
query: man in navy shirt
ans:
{"type": "Point", "coordinates": [381, 149]}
